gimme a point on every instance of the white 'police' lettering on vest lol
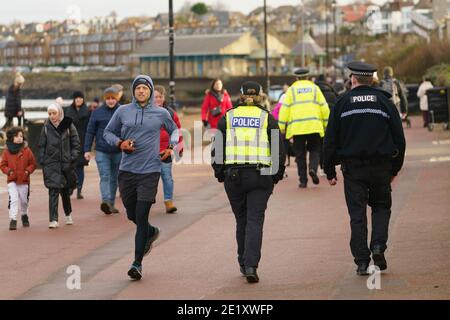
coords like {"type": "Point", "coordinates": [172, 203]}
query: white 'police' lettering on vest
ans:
{"type": "Point", "coordinates": [304, 90]}
{"type": "Point", "coordinates": [245, 122]}
{"type": "Point", "coordinates": [370, 98]}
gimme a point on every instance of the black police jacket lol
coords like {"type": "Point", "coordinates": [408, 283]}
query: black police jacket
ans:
{"type": "Point", "coordinates": [364, 124]}
{"type": "Point", "coordinates": [218, 157]}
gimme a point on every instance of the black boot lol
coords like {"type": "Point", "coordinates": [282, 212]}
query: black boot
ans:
{"type": "Point", "coordinates": [362, 269]}
{"type": "Point", "coordinates": [378, 258]}
{"type": "Point", "coordinates": [13, 225]}
{"type": "Point", "coordinates": [251, 275]}
{"type": "Point", "coordinates": [79, 195]}
{"type": "Point", "coordinates": [25, 221]}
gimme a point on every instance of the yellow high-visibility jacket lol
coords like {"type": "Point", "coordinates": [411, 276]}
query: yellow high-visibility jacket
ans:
{"type": "Point", "coordinates": [304, 110]}
{"type": "Point", "coordinates": [247, 140]}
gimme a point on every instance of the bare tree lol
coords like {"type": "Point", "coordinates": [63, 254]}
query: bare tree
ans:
{"type": "Point", "coordinates": [220, 5]}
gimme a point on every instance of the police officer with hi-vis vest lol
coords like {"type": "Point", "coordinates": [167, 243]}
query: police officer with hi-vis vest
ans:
{"type": "Point", "coordinates": [304, 116]}
{"type": "Point", "coordinates": [365, 136]}
{"type": "Point", "coordinates": [248, 156]}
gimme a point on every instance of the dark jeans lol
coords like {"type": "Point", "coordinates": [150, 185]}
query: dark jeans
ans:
{"type": "Point", "coordinates": [53, 195]}
{"type": "Point", "coordinates": [303, 144]}
{"type": "Point", "coordinates": [9, 122]}
{"type": "Point", "coordinates": [248, 196]}
{"type": "Point", "coordinates": [426, 118]}
{"type": "Point", "coordinates": [79, 171]}
{"type": "Point", "coordinates": [367, 184]}
{"type": "Point", "coordinates": [138, 193]}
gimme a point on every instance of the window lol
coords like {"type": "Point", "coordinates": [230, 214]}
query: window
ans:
{"type": "Point", "coordinates": [38, 50]}
{"type": "Point", "coordinates": [10, 52]}
{"type": "Point", "coordinates": [79, 48]}
{"type": "Point", "coordinates": [94, 60]}
{"type": "Point", "coordinates": [111, 59]}
{"type": "Point", "coordinates": [94, 47]}
{"type": "Point", "coordinates": [23, 51]}
{"type": "Point", "coordinates": [124, 59]}
{"type": "Point", "coordinates": [79, 60]}
{"type": "Point", "coordinates": [64, 60]}
{"type": "Point", "coordinates": [65, 49]}
{"type": "Point", "coordinates": [125, 46]}
{"type": "Point", "coordinates": [109, 47]}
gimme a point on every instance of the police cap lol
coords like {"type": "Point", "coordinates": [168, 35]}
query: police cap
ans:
{"type": "Point", "coordinates": [251, 88]}
{"type": "Point", "coordinates": [299, 72]}
{"type": "Point", "coordinates": [359, 68]}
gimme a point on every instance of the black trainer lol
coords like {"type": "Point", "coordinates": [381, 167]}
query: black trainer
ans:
{"type": "Point", "coordinates": [242, 269]}
{"type": "Point", "coordinates": [251, 275]}
{"type": "Point", "coordinates": [135, 272]}
{"type": "Point", "coordinates": [13, 225]}
{"type": "Point", "coordinates": [25, 221]}
{"type": "Point", "coordinates": [378, 258]}
{"type": "Point", "coordinates": [314, 177]}
{"type": "Point", "coordinates": [149, 244]}
{"type": "Point", "coordinates": [302, 185]}
{"type": "Point", "coordinates": [106, 207]}
{"type": "Point", "coordinates": [362, 269]}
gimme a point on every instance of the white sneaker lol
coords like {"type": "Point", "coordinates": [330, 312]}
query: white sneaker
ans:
{"type": "Point", "coordinates": [69, 220]}
{"type": "Point", "coordinates": [53, 224]}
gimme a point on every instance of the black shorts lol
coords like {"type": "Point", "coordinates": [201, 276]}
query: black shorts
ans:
{"type": "Point", "coordinates": [138, 187]}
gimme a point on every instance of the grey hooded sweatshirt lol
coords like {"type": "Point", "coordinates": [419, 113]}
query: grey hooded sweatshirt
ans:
{"type": "Point", "coordinates": [143, 125]}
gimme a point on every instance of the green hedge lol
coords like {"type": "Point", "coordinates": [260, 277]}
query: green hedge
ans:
{"type": "Point", "coordinates": [439, 75]}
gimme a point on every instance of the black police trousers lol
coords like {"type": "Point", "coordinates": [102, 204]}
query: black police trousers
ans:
{"type": "Point", "coordinates": [248, 192]}
{"type": "Point", "coordinates": [53, 199]}
{"type": "Point", "coordinates": [303, 144]}
{"type": "Point", "coordinates": [367, 183]}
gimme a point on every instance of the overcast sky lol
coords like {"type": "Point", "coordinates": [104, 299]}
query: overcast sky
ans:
{"type": "Point", "coordinates": [42, 10]}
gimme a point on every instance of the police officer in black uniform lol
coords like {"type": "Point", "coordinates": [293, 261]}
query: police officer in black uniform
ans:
{"type": "Point", "coordinates": [365, 136]}
{"type": "Point", "coordinates": [248, 183]}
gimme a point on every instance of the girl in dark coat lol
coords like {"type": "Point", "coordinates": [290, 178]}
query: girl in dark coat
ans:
{"type": "Point", "coordinates": [59, 148]}
{"type": "Point", "coordinates": [80, 114]}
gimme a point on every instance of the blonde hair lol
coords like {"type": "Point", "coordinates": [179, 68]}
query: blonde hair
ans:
{"type": "Point", "coordinates": [251, 99]}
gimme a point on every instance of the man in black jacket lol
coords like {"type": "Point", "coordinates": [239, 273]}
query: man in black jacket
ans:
{"type": "Point", "coordinates": [244, 157]}
{"type": "Point", "coordinates": [13, 104]}
{"type": "Point", "coordinates": [365, 136]}
{"type": "Point", "coordinates": [80, 114]}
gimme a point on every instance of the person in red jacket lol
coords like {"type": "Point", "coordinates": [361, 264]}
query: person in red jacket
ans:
{"type": "Point", "coordinates": [18, 163]}
{"type": "Point", "coordinates": [216, 103]}
{"type": "Point", "coordinates": [166, 168]}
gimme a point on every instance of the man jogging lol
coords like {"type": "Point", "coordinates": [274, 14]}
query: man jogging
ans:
{"type": "Point", "coordinates": [135, 129]}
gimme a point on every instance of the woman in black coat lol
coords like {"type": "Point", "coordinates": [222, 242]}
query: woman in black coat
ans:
{"type": "Point", "coordinates": [13, 103]}
{"type": "Point", "coordinates": [59, 148]}
{"type": "Point", "coordinates": [80, 114]}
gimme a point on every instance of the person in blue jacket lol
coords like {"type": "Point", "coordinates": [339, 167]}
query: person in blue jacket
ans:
{"type": "Point", "coordinates": [135, 129]}
{"type": "Point", "coordinates": [107, 157]}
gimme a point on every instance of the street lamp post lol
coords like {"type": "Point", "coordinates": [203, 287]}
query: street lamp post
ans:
{"type": "Point", "coordinates": [266, 49]}
{"type": "Point", "coordinates": [303, 36]}
{"type": "Point", "coordinates": [171, 57]}
{"type": "Point", "coordinates": [334, 6]}
{"type": "Point", "coordinates": [326, 35]}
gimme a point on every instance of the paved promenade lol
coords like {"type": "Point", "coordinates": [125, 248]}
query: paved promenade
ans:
{"type": "Point", "coordinates": [305, 248]}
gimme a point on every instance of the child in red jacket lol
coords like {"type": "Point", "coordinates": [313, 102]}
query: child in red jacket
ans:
{"type": "Point", "coordinates": [18, 163]}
